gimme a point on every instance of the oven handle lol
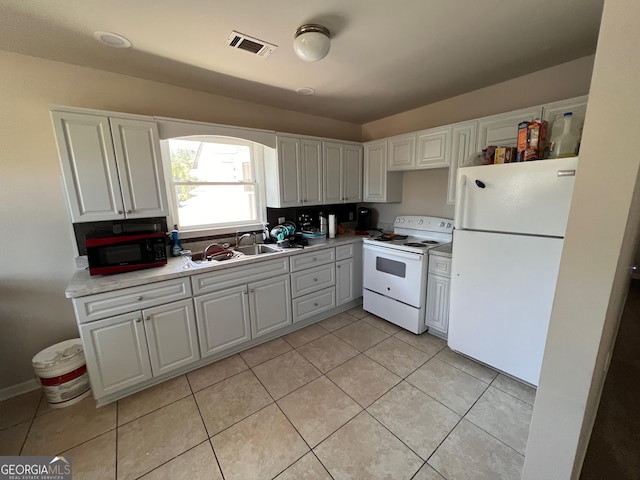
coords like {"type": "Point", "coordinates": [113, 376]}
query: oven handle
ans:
{"type": "Point", "coordinates": [391, 252]}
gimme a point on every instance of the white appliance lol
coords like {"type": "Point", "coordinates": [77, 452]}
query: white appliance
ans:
{"type": "Point", "coordinates": [510, 222]}
{"type": "Point", "coordinates": [395, 269]}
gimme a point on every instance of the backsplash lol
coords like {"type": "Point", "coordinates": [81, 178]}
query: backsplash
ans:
{"type": "Point", "coordinates": [345, 213]}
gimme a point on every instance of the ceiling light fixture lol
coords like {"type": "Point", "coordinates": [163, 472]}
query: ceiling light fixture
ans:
{"type": "Point", "coordinates": [112, 39]}
{"type": "Point", "coordinates": [311, 42]}
{"type": "Point", "coordinates": [305, 91]}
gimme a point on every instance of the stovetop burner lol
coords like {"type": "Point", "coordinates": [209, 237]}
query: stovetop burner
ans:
{"type": "Point", "coordinates": [382, 239]}
{"type": "Point", "coordinates": [415, 244]}
{"type": "Point", "coordinates": [430, 242]}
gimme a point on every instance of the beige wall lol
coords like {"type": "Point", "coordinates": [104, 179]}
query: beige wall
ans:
{"type": "Point", "coordinates": [425, 191]}
{"type": "Point", "coordinates": [37, 259]}
{"type": "Point", "coordinates": [567, 80]}
{"type": "Point", "coordinates": [594, 273]}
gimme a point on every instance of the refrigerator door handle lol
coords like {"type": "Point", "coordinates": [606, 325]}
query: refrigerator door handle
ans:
{"type": "Point", "coordinates": [458, 221]}
{"type": "Point", "coordinates": [566, 173]}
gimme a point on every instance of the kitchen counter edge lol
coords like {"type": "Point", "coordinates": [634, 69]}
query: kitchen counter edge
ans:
{"type": "Point", "coordinates": [83, 284]}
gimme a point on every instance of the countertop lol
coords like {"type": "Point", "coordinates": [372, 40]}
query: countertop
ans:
{"type": "Point", "coordinates": [83, 284]}
{"type": "Point", "coordinates": [442, 250]}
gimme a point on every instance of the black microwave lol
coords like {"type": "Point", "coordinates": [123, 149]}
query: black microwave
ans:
{"type": "Point", "coordinates": [125, 253]}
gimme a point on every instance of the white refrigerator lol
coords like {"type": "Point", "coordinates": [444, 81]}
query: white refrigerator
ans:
{"type": "Point", "coordinates": [510, 222]}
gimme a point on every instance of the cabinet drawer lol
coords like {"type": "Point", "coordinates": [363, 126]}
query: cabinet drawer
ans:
{"type": "Point", "coordinates": [345, 251]}
{"type": "Point", "coordinates": [312, 259]}
{"type": "Point", "coordinates": [440, 265]}
{"type": "Point", "coordinates": [215, 281]}
{"type": "Point", "coordinates": [312, 280]}
{"type": "Point", "coordinates": [313, 304]}
{"type": "Point", "coordinates": [108, 304]}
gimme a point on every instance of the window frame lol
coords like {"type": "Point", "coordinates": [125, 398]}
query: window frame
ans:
{"type": "Point", "coordinates": [257, 167]}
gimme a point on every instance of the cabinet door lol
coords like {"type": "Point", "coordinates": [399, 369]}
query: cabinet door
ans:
{"type": "Point", "coordinates": [116, 352]}
{"type": "Point", "coordinates": [270, 305]}
{"type": "Point", "coordinates": [379, 185]}
{"type": "Point", "coordinates": [433, 148]}
{"type": "Point", "coordinates": [352, 173]}
{"type": "Point", "coordinates": [89, 166]}
{"type": "Point", "coordinates": [344, 281]}
{"type": "Point", "coordinates": [171, 335]}
{"type": "Point", "coordinates": [311, 175]}
{"type": "Point", "coordinates": [223, 319]}
{"type": "Point", "coordinates": [289, 172]}
{"type": "Point", "coordinates": [556, 110]}
{"type": "Point", "coordinates": [463, 142]}
{"type": "Point", "coordinates": [438, 305]}
{"type": "Point", "coordinates": [137, 150]}
{"type": "Point", "coordinates": [402, 152]}
{"type": "Point", "coordinates": [333, 178]}
{"type": "Point", "coordinates": [502, 130]}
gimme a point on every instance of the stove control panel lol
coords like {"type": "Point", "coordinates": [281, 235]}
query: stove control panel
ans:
{"type": "Point", "coordinates": [424, 223]}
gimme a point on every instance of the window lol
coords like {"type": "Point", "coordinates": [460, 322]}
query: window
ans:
{"type": "Point", "coordinates": [213, 182]}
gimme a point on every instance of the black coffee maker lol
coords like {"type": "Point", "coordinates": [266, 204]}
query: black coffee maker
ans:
{"type": "Point", "coordinates": [364, 219]}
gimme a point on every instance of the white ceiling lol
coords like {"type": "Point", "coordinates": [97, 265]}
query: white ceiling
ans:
{"type": "Point", "coordinates": [386, 56]}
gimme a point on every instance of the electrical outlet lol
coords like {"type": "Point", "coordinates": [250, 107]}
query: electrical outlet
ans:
{"type": "Point", "coordinates": [281, 220]}
{"type": "Point", "coordinates": [350, 216]}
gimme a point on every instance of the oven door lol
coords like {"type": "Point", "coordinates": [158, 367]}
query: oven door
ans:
{"type": "Point", "coordinates": [395, 274]}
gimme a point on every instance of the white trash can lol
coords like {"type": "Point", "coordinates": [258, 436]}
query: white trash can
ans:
{"type": "Point", "coordinates": [62, 372]}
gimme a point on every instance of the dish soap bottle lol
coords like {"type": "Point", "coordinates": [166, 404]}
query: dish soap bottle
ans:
{"type": "Point", "coordinates": [176, 248]}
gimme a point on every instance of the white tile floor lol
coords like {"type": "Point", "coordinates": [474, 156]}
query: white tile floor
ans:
{"type": "Point", "coordinates": [352, 397]}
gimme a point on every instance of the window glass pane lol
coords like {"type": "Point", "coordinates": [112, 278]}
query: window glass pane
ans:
{"type": "Point", "coordinates": [195, 161]}
{"type": "Point", "coordinates": [215, 204]}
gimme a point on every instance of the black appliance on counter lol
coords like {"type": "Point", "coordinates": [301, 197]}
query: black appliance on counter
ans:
{"type": "Point", "coordinates": [364, 219]}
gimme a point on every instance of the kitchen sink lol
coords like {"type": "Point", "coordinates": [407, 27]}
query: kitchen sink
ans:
{"type": "Point", "coordinates": [257, 249]}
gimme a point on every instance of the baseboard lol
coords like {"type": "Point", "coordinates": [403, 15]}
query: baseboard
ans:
{"type": "Point", "coordinates": [19, 389]}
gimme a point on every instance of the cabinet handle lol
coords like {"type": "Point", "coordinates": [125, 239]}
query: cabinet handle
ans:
{"type": "Point", "coordinates": [339, 266]}
{"type": "Point", "coordinates": [315, 279]}
{"type": "Point", "coordinates": [315, 304]}
{"type": "Point", "coordinates": [138, 320]}
{"type": "Point", "coordinates": [120, 212]}
{"type": "Point", "coordinates": [252, 290]}
{"type": "Point", "coordinates": [129, 211]}
{"type": "Point", "coordinates": [245, 293]}
{"type": "Point", "coordinates": [315, 259]}
{"type": "Point", "coordinates": [148, 318]}
{"type": "Point", "coordinates": [140, 298]}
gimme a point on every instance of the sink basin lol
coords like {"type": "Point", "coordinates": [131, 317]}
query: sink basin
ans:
{"type": "Point", "coordinates": [217, 256]}
{"type": "Point", "coordinates": [258, 249]}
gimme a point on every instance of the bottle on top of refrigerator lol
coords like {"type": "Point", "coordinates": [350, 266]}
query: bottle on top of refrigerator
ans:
{"type": "Point", "coordinates": [565, 137]}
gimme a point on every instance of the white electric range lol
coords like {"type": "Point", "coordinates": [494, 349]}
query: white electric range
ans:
{"type": "Point", "coordinates": [395, 269]}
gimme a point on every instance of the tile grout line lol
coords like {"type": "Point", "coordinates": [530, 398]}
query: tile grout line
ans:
{"type": "Point", "coordinates": [170, 460]}
{"type": "Point", "coordinates": [509, 393]}
{"type": "Point", "coordinates": [31, 422]}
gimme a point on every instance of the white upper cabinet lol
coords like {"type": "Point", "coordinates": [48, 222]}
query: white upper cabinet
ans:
{"type": "Point", "coordinates": [502, 130]}
{"type": "Point", "coordinates": [463, 142]}
{"type": "Point", "coordinates": [434, 146]}
{"type": "Point", "coordinates": [294, 178]}
{"type": "Point", "coordinates": [111, 167]}
{"type": "Point", "coordinates": [402, 152]}
{"type": "Point", "coordinates": [380, 185]}
{"type": "Point", "coordinates": [342, 172]}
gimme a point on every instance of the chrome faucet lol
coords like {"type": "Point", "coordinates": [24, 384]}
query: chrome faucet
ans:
{"type": "Point", "coordinates": [240, 237]}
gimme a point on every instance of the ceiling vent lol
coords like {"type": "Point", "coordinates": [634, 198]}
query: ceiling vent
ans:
{"type": "Point", "coordinates": [250, 44]}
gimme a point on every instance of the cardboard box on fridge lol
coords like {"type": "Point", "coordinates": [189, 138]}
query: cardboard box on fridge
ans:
{"type": "Point", "coordinates": [505, 155]}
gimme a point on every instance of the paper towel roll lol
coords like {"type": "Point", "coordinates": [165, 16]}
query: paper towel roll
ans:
{"type": "Point", "coordinates": [332, 226]}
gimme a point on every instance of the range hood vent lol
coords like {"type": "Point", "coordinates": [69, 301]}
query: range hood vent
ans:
{"type": "Point", "coordinates": [250, 44]}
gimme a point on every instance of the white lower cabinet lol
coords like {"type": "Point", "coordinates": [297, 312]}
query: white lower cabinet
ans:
{"type": "Point", "coordinates": [348, 273]}
{"type": "Point", "coordinates": [223, 319]}
{"type": "Point", "coordinates": [438, 287]}
{"type": "Point", "coordinates": [269, 305]}
{"type": "Point", "coordinates": [125, 350]}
